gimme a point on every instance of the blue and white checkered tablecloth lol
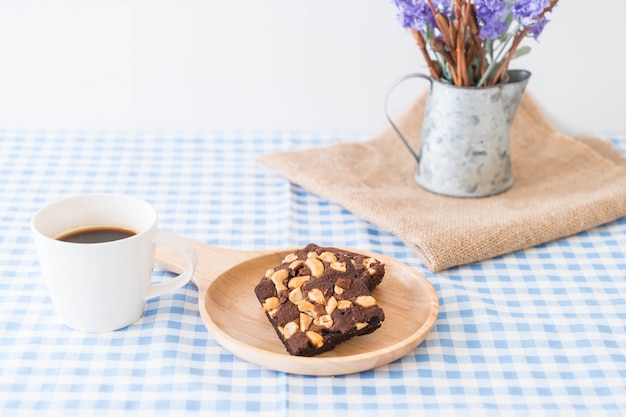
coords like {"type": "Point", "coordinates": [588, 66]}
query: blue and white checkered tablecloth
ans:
{"type": "Point", "coordinates": [541, 332]}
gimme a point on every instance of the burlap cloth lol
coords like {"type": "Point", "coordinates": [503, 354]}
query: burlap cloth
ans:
{"type": "Point", "coordinates": [562, 186]}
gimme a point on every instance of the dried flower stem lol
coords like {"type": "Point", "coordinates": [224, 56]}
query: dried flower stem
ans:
{"type": "Point", "coordinates": [475, 35]}
{"type": "Point", "coordinates": [519, 36]}
{"type": "Point", "coordinates": [495, 59]}
{"type": "Point", "coordinates": [422, 47]}
{"type": "Point", "coordinates": [452, 65]}
{"type": "Point", "coordinates": [447, 30]}
{"type": "Point", "coordinates": [462, 43]}
{"type": "Point", "coordinates": [453, 40]}
{"type": "Point", "coordinates": [448, 33]}
{"type": "Point", "coordinates": [458, 51]}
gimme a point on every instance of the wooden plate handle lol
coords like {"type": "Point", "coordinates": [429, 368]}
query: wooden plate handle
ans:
{"type": "Point", "coordinates": [212, 262]}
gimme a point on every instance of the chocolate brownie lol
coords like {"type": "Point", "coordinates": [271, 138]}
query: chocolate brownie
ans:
{"type": "Point", "coordinates": [316, 301]}
{"type": "Point", "coordinates": [369, 269]}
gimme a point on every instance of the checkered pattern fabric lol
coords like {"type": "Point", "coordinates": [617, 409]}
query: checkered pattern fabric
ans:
{"type": "Point", "coordinates": [540, 332]}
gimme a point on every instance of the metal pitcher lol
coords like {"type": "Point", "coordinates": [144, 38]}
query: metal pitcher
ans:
{"type": "Point", "coordinates": [464, 150]}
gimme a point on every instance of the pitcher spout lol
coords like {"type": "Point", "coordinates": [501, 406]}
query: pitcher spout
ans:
{"type": "Point", "coordinates": [513, 91]}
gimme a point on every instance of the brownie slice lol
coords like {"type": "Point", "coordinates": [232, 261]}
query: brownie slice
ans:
{"type": "Point", "coordinates": [316, 301]}
{"type": "Point", "coordinates": [369, 269]}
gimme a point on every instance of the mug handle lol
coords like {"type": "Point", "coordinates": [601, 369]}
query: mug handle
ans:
{"type": "Point", "coordinates": [186, 249]}
{"type": "Point", "coordinates": [391, 89]}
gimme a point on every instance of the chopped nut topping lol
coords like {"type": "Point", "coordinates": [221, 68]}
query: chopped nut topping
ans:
{"type": "Point", "coordinates": [343, 304]}
{"type": "Point", "coordinates": [295, 264]}
{"type": "Point", "coordinates": [317, 296]}
{"type": "Point", "coordinates": [338, 290]}
{"type": "Point", "coordinates": [305, 306]}
{"type": "Point", "coordinates": [305, 322]}
{"type": "Point", "coordinates": [338, 266]}
{"type": "Point", "coordinates": [290, 329]}
{"type": "Point", "coordinates": [316, 266]}
{"type": "Point", "coordinates": [278, 278]}
{"type": "Point", "coordinates": [295, 295]}
{"type": "Point", "coordinates": [290, 258]}
{"type": "Point", "coordinates": [365, 301]}
{"type": "Point", "coordinates": [324, 321]}
{"type": "Point", "coordinates": [360, 325]}
{"type": "Point", "coordinates": [368, 262]}
{"type": "Point", "coordinates": [271, 303]}
{"type": "Point", "coordinates": [298, 281]}
{"type": "Point", "coordinates": [331, 305]}
{"type": "Point", "coordinates": [328, 257]}
{"type": "Point", "coordinates": [315, 338]}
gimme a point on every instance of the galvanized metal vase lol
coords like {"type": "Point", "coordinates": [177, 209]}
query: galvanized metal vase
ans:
{"type": "Point", "coordinates": [464, 150]}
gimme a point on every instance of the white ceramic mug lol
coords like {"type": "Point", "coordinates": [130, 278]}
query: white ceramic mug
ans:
{"type": "Point", "coordinates": [98, 287]}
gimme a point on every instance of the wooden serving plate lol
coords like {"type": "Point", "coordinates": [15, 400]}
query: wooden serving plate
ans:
{"type": "Point", "coordinates": [230, 310]}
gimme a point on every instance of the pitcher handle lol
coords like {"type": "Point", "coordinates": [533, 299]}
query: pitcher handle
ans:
{"type": "Point", "coordinates": [391, 89]}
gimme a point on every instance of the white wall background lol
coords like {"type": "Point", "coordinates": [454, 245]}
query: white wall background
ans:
{"type": "Point", "coordinates": [269, 65]}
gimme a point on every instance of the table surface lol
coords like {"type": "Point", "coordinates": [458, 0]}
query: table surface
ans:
{"type": "Point", "coordinates": [539, 332]}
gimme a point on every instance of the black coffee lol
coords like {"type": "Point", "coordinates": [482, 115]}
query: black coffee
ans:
{"type": "Point", "coordinates": [97, 234]}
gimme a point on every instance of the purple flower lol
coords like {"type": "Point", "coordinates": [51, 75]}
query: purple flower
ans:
{"type": "Point", "coordinates": [444, 7]}
{"type": "Point", "coordinates": [501, 24]}
{"type": "Point", "coordinates": [415, 14]}
{"type": "Point", "coordinates": [492, 18]}
{"type": "Point", "coordinates": [536, 29]}
{"type": "Point", "coordinates": [526, 12]}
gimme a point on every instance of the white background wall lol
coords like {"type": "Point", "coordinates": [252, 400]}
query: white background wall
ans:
{"type": "Point", "coordinates": [269, 65]}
